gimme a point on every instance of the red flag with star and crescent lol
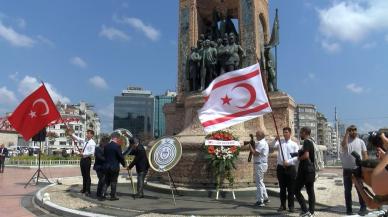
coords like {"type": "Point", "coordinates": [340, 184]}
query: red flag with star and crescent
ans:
{"type": "Point", "coordinates": [233, 98]}
{"type": "Point", "coordinates": [34, 113]}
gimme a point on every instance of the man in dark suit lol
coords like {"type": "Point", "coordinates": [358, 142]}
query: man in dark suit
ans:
{"type": "Point", "coordinates": [113, 158]}
{"type": "Point", "coordinates": [3, 154]}
{"type": "Point", "coordinates": [99, 165]}
{"type": "Point", "coordinates": [141, 162]}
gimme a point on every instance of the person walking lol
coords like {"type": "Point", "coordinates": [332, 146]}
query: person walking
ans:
{"type": "Point", "coordinates": [260, 164]}
{"type": "Point", "coordinates": [88, 146]}
{"type": "Point", "coordinates": [306, 173]}
{"type": "Point", "coordinates": [141, 162]}
{"type": "Point", "coordinates": [349, 144]}
{"type": "Point", "coordinates": [3, 155]}
{"type": "Point", "coordinates": [286, 170]}
{"type": "Point", "coordinates": [113, 158]}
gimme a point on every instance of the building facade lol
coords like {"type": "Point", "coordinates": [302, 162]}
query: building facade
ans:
{"type": "Point", "coordinates": [306, 116]}
{"type": "Point", "coordinates": [134, 111]}
{"type": "Point", "coordinates": [160, 120]}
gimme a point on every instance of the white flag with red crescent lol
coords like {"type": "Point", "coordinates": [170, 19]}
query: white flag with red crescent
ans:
{"type": "Point", "coordinates": [233, 98]}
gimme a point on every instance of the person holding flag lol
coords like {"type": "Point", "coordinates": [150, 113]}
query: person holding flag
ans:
{"type": "Point", "coordinates": [87, 152]}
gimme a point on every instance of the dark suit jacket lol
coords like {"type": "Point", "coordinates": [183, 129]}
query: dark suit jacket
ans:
{"type": "Point", "coordinates": [113, 156]}
{"type": "Point", "coordinates": [5, 152]}
{"type": "Point", "coordinates": [141, 160]}
{"type": "Point", "coordinates": [99, 163]}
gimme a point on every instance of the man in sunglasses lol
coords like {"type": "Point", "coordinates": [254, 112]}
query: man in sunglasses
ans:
{"type": "Point", "coordinates": [351, 143]}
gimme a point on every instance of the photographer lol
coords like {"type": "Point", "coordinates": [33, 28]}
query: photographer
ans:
{"type": "Point", "coordinates": [380, 173]}
{"type": "Point", "coordinates": [351, 143]}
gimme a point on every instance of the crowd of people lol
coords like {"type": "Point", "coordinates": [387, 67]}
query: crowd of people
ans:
{"type": "Point", "coordinates": [296, 169]}
{"type": "Point", "coordinates": [108, 157]}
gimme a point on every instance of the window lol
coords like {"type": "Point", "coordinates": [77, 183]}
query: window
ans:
{"type": "Point", "coordinates": [62, 126]}
{"type": "Point", "coordinates": [62, 143]}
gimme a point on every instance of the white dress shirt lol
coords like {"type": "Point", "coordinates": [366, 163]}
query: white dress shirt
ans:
{"type": "Point", "coordinates": [262, 148]}
{"type": "Point", "coordinates": [87, 146]}
{"type": "Point", "coordinates": [288, 147]}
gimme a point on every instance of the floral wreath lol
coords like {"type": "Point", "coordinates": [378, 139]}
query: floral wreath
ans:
{"type": "Point", "coordinates": [221, 158]}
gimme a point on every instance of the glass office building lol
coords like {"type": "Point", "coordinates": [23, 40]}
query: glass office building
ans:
{"type": "Point", "coordinates": [160, 120]}
{"type": "Point", "coordinates": [134, 110]}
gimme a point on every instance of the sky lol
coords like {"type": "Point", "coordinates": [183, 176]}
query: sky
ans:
{"type": "Point", "coordinates": [331, 53]}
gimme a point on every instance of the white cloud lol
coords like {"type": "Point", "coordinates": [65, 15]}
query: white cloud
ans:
{"type": "Point", "coordinates": [113, 34]}
{"type": "Point", "coordinates": [7, 97]}
{"type": "Point", "coordinates": [149, 31]}
{"type": "Point", "coordinates": [28, 84]}
{"type": "Point", "coordinates": [46, 41]}
{"type": "Point", "coordinates": [106, 115]}
{"type": "Point", "coordinates": [16, 39]}
{"type": "Point", "coordinates": [21, 23]}
{"type": "Point", "coordinates": [354, 88]}
{"type": "Point", "coordinates": [353, 20]}
{"type": "Point", "coordinates": [13, 76]}
{"type": "Point", "coordinates": [330, 47]}
{"type": "Point", "coordinates": [369, 45]}
{"type": "Point", "coordinates": [78, 61]}
{"type": "Point", "coordinates": [98, 82]}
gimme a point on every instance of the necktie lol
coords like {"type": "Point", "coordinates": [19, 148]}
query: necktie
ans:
{"type": "Point", "coordinates": [86, 144]}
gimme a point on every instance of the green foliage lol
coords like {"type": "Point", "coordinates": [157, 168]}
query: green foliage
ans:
{"type": "Point", "coordinates": [45, 157]}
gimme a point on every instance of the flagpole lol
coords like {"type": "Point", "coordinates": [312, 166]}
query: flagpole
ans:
{"type": "Point", "coordinates": [273, 116]}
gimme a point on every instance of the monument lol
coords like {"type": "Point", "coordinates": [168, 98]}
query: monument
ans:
{"type": "Point", "coordinates": [205, 28]}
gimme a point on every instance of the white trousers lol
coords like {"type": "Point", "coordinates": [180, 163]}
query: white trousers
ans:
{"type": "Point", "coordinates": [261, 192]}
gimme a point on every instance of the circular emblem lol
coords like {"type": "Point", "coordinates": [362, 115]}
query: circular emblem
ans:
{"type": "Point", "coordinates": [165, 154]}
{"type": "Point", "coordinates": [125, 135]}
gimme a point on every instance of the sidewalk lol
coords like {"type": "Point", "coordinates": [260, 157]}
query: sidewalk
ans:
{"type": "Point", "coordinates": [328, 189]}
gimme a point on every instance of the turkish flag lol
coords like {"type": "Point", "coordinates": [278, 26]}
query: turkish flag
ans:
{"type": "Point", "coordinates": [34, 113]}
{"type": "Point", "coordinates": [233, 98]}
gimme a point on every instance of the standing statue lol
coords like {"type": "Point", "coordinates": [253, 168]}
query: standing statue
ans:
{"type": "Point", "coordinates": [193, 66]}
{"type": "Point", "coordinates": [222, 54]}
{"type": "Point", "coordinates": [208, 64]}
{"type": "Point", "coordinates": [271, 70]}
{"type": "Point", "coordinates": [233, 54]}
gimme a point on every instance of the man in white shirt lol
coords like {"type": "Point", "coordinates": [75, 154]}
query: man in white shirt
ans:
{"type": "Point", "coordinates": [260, 163]}
{"type": "Point", "coordinates": [88, 146]}
{"type": "Point", "coordinates": [286, 170]}
{"type": "Point", "coordinates": [349, 144]}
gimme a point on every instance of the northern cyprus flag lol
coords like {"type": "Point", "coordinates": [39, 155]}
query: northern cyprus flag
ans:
{"type": "Point", "coordinates": [233, 98]}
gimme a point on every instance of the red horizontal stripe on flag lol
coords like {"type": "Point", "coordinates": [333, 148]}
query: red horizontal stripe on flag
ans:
{"type": "Point", "coordinates": [235, 115]}
{"type": "Point", "coordinates": [236, 79]}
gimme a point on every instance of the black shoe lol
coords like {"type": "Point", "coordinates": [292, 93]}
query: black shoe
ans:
{"type": "Point", "coordinates": [362, 212]}
{"type": "Point", "coordinates": [281, 209]}
{"type": "Point", "coordinates": [82, 191]}
{"type": "Point", "coordinates": [266, 201]}
{"type": "Point", "coordinates": [101, 198]}
{"type": "Point", "coordinates": [291, 209]}
{"type": "Point", "coordinates": [349, 213]}
{"type": "Point", "coordinates": [88, 194]}
{"type": "Point", "coordinates": [305, 214]}
{"type": "Point", "coordinates": [113, 198]}
{"type": "Point", "coordinates": [259, 203]}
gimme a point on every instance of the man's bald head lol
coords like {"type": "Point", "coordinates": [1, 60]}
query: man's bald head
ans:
{"type": "Point", "coordinates": [260, 135]}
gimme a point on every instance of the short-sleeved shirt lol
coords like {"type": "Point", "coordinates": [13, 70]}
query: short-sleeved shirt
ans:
{"type": "Point", "coordinates": [307, 146]}
{"type": "Point", "coordinates": [357, 145]}
{"type": "Point", "coordinates": [287, 147]}
{"type": "Point", "coordinates": [261, 147]}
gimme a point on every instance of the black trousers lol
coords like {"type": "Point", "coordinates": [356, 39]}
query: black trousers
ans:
{"type": "Point", "coordinates": [306, 180]}
{"type": "Point", "coordinates": [101, 183]}
{"type": "Point", "coordinates": [2, 164]}
{"type": "Point", "coordinates": [111, 177]}
{"type": "Point", "coordinates": [348, 184]}
{"type": "Point", "coordinates": [85, 164]}
{"type": "Point", "coordinates": [140, 182]}
{"type": "Point", "coordinates": [286, 177]}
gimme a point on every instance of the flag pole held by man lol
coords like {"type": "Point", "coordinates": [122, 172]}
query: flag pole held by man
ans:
{"type": "Point", "coordinates": [33, 114]}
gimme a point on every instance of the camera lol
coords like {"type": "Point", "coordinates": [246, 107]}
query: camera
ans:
{"type": "Point", "coordinates": [375, 139]}
{"type": "Point", "coordinates": [252, 143]}
{"type": "Point", "coordinates": [297, 154]}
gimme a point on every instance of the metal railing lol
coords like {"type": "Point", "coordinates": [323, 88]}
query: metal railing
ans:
{"type": "Point", "coordinates": [43, 163]}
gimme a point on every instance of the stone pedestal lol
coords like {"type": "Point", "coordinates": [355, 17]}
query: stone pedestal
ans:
{"type": "Point", "coordinates": [192, 170]}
